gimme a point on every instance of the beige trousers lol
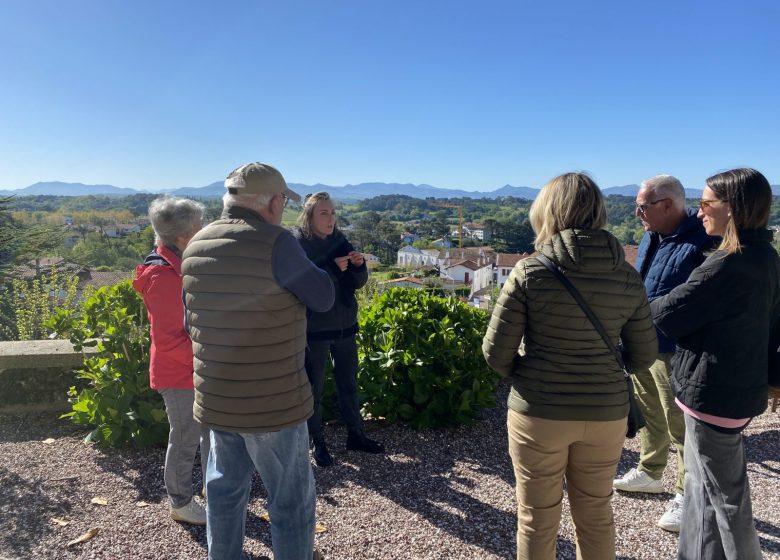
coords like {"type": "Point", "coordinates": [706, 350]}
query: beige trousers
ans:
{"type": "Point", "coordinates": [584, 454]}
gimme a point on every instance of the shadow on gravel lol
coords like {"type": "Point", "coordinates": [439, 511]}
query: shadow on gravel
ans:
{"type": "Point", "coordinates": [763, 447]}
{"type": "Point", "coordinates": [35, 426]}
{"type": "Point", "coordinates": [768, 530]}
{"type": "Point", "coordinates": [424, 478]}
{"type": "Point", "coordinates": [143, 469]}
{"type": "Point", "coordinates": [256, 528]}
{"type": "Point", "coordinates": [23, 504]}
{"type": "Point", "coordinates": [628, 460]}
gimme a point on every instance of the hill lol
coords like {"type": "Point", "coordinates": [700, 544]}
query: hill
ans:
{"type": "Point", "coordinates": [346, 193]}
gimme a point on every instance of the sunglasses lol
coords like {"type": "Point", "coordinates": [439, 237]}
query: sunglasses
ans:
{"type": "Point", "coordinates": [643, 207]}
{"type": "Point", "coordinates": [707, 203]}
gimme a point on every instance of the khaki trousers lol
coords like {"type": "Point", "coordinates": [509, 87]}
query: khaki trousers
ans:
{"type": "Point", "coordinates": [585, 454]}
{"type": "Point", "coordinates": [664, 421]}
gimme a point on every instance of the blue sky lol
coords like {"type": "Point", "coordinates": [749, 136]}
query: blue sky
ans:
{"type": "Point", "coordinates": [474, 95]}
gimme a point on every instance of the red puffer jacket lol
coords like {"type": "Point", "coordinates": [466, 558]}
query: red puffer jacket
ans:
{"type": "Point", "coordinates": [158, 281]}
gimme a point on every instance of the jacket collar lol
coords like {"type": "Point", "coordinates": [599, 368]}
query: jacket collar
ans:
{"type": "Point", "coordinates": [172, 255]}
{"type": "Point", "coordinates": [240, 213]}
{"type": "Point", "coordinates": [690, 222]}
{"type": "Point", "coordinates": [751, 236]}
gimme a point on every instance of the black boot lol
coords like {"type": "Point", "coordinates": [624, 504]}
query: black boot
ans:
{"type": "Point", "coordinates": [321, 455]}
{"type": "Point", "coordinates": [359, 442]}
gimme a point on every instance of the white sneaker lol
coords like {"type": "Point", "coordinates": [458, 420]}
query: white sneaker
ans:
{"type": "Point", "coordinates": [670, 521]}
{"type": "Point", "coordinates": [192, 513]}
{"type": "Point", "coordinates": [638, 481]}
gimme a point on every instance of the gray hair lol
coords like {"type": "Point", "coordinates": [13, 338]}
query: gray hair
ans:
{"type": "Point", "coordinates": [174, 217]}
{"type": "Point", "coordinates": [666, 186]}
{"type": "Point", "coordinates": [256, 202]}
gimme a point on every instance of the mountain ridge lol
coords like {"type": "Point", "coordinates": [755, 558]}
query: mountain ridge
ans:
{"type": "Point", "coordinates": [345, 193]}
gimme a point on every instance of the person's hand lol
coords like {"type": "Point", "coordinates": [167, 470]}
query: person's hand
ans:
{"type": "Point", "coordinates": [342, 262]}
{"type": "Point", "coordinates": [356, 258]}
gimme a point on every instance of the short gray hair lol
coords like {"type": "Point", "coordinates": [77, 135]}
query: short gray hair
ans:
{"type": "Point", "coordinates": [666, 186]}
{"type": "Point", "coordinates": [174, 217]}
{"type": "Point", "coordinates": [256, 202]}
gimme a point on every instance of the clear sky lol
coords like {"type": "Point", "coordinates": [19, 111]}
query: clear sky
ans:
{"type": "Point", "coordinates": [474, 95]}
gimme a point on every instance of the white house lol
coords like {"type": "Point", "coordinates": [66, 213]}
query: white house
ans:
{"type": "Point", "coordinates": [461, 271]}
{"type": "Point", "coordinates": [483, 278]}
{"type": "Point", "coordinates": [412, 257]}
{"type": "Point", "coordinates": [505, 262]}
{"type": "Point", "coordinates": [371, 258]}
{"type": "Point", "coordinates": [442, 243]}
{"type": "Point", "coordinates": [409, 238]}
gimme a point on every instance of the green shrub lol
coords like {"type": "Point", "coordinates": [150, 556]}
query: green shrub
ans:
{"type": "Point", "coordinates": [421, 360]}
{"type": "Point", "coordinates": [117, 403]}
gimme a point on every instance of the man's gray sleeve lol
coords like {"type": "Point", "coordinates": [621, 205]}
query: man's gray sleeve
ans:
{"type": "Point", "coordinates": [295, 272]}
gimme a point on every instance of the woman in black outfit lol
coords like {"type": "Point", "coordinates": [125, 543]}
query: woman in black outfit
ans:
{"type": "Point", "coordinates": [333, 332]}
{"type": "Point", "coordinates": [721, 318]}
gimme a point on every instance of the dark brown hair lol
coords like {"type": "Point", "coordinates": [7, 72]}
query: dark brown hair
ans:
{"type": "Point", "coordinates": [749, 196]}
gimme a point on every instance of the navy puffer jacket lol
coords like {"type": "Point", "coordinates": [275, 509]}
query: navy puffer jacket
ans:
{"type": "Point", "coordinates": [665, 263]}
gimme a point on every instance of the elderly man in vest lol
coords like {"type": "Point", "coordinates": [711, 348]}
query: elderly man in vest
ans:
{"type": "Point", "coordinates": [248, 284]}
{"type": "Point", "coordinates": [671, 248]}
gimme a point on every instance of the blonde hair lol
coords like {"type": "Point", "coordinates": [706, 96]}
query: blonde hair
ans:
{"type": "Point", "coordinates": [749, 196]}
{"type": "Point", "coordinates": [306, 217]}
{"type": "Point", "coordinates": [571, 200]}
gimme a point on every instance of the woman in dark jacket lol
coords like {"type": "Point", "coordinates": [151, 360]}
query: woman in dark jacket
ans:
{"type": "Point", "coordinates": [721, 318]}
{"type": "Point", "coordinates": [569, 399]}
{"type": "Point", "coordinates": [333, 332]}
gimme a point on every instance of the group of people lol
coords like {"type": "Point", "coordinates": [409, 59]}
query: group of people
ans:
{"type": "Point", "coordinates": [240, 358]}
{"type": "Point", "coordinates": [694, 319]}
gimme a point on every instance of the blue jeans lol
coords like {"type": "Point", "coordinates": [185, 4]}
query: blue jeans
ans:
{"type": "Point", "coordinates": [282, 459]}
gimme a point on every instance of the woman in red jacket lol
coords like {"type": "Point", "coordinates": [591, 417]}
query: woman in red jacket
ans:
{"type": "Point", "coordinates": [158, 280]}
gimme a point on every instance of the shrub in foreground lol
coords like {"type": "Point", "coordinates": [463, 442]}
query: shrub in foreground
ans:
{"type": "Point", "coordinates": [421, 359]}
{"type": "Point", "coordinates": [117, 402]}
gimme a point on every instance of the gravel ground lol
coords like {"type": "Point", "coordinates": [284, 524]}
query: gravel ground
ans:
{"type": "Point", "coordinates": [435, 495]}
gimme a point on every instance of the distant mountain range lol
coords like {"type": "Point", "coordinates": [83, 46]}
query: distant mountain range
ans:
{"type": "Point", "coordinates": [346, 193]}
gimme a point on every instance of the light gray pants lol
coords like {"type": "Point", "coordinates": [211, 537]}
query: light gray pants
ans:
{"type": "Point", "coordinates": [717, 512]}
{"type": "Point", "coordinates": [183, 441]}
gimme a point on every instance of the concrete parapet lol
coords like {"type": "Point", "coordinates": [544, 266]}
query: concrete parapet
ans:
{"type": "Point", "coordinates": [36, 374]}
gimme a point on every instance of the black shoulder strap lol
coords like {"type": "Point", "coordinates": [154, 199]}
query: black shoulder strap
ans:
{"type": "Point", "coordinates": [549, 265]}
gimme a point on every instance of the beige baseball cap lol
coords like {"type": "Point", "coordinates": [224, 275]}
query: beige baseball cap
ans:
{"type": "Point", "coordinates": [259, 178]}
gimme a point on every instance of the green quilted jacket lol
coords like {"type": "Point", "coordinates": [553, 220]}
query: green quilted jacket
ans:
{"type": "Point", "coordinates": [560, 367]}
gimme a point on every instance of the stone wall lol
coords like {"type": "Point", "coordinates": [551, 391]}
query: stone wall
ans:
{"type": "Point", "coordinates": [35, 375]}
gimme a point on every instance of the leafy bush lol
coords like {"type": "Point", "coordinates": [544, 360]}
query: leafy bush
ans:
{"type": "Point", "coordinates": [421, 360]}
{"type": "Point", "coordinates": [31, 303]}
{"type": "Point", "coordinates": [118, 402]}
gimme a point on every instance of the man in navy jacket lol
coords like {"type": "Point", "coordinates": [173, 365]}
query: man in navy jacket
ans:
{"type": "Point", "coordinates": [673, 245]}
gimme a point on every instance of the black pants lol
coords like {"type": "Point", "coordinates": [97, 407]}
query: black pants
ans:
{"type": "Point", "coordinates": [343, 352]}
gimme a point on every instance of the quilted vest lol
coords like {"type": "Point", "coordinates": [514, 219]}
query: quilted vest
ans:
{"type": "Point", "coordinates": [248, 333]}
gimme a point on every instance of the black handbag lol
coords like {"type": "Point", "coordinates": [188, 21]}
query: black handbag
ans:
{"type": "Point", "coordinates": [636, 419]}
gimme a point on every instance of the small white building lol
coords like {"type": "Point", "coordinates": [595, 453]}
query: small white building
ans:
{"type": "Point", "coordinates": [412, 257]}
{"type": "Point", "coordinates": [461, 272]}
{"type": "Point", "coordinates": [505, 262]}
{"type": "Point", "coordinates": [442, 243]}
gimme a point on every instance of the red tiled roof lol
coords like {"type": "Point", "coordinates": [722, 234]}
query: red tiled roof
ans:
{"type": "Point", "coordinates": [630, 251]}
{"type": "Point", "coordinates": [467, 263]}
{"type": "Point", "coordinates": [510, 260]}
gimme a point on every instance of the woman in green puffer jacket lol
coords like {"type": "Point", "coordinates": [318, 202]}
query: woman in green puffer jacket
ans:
{"type": "Point", "coordinates": [569, 399]}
